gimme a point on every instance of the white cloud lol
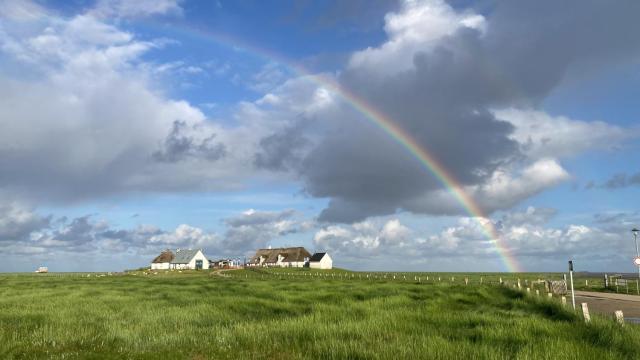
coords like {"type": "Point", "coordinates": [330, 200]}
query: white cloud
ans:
{"type": "Point", "coordinates": [99, 119]}
{"type": "Point", "coordinates": [386, 243]}
{"type": "Point", "coordinates": [507, 186]}
{"type": "Point", "coordinates": [21, 10]}
{"type": "Point", "coordinates": [541, 135]}
{"type": "Point", "coordinates": [416, 27]}
{"type": "Point", "coordinates": [137, 8]}
{"type": "Point", "coordinates": [186, 236]}
{"type": "Point", "coordinates": [365, 239]}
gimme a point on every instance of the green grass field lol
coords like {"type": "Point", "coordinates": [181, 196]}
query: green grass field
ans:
{"type": "Point", "coordinates": [284, 314]}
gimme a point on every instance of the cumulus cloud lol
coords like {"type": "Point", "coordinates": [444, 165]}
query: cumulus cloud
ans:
{"type": "Point", "coordinates": [17, 222]}
{"type": "Point", "coordinates": [366, 239]}
{"type": "Point", "coordinates": [541, 135]}
{"type": "Point", "coordinates": [23, 231]}
{"type": "Point", "coordinates": [453, 79]}
{"type": "Point", "coordinates": [101, 126]}
{"type": "Point", "coordinates": [527, 234]}
{"type": "Point", "coordinates": [256, 229]}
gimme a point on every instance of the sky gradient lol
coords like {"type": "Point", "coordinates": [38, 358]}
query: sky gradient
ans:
{"type": "Point", "coordinates": [396, 135]}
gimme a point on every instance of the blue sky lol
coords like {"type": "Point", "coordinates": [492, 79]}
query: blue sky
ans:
{"type": "Point", "coordinates": [130, 127]}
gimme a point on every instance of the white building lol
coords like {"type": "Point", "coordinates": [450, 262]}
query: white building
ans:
{"type": "Point", "coordinates": [320, 261]}
{"type": "Point", "coordinates": [182, 259]}
{"type": "Point", "coordinates": [189, 259]}
{"type": "Point", "coordinates": [281, 257]}
{"type": "Point", "coordinates": [162, 261]}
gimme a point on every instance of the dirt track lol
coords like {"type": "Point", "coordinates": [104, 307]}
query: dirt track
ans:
{"type": "Point", "coordinates": [606, 304]}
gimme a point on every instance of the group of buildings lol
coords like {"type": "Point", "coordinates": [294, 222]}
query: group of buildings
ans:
{"type": "Point", "coordinates": [187, 259]}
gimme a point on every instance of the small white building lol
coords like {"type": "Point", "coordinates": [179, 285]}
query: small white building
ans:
{"type": "Point", "coordinates": [320, 261]}
{"type": "Point", "coordinates": [162, 261]}
{"type": "Point", "coordinates": [182, 259]}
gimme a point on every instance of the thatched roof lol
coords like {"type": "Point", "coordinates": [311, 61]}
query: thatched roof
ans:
{"type": "Point", "coordinates": [164, 257]}
{"type": "Point", "coordinates": [293, 254]}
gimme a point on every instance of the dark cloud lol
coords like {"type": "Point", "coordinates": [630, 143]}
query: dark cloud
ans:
{"type": "Point", "coordinates": [622, 180]}
{"type": "Point", "coordinates": [179, 145]}
{"type": "Point", "coordinates": [281, 151]}
{"type": "Point", "coordinates": [443, 92]}
{"type": "Point", "coordinates": [17, 223]}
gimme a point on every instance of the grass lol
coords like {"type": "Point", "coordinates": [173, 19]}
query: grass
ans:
{"type": "Point", "coordinates": [276, 315]}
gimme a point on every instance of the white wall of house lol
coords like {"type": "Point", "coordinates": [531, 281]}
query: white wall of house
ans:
{"type": "Point", "coordinates": [325, 263]}
{"type": "Point", "coordinates": [199, 256]}
{"type": "Point", "coordinates": [191, 265]}
{"type": "Point", "coordinates": [160, 266]}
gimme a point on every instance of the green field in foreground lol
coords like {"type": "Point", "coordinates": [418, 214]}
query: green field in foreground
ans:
{"type": "Point", "coordinates": [259, 315]}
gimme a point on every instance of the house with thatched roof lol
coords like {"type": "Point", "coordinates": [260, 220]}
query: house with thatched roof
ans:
{"type": "Point", "coordinates": [181, 259]}
{"type": "Point", "coordinates": [162, 261]}
{"type": "Point", "coordinates": [281, 257]}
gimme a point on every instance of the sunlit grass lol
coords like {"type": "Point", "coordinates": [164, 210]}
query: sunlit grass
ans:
{"type": "Point", "coordinates": [276, 315]}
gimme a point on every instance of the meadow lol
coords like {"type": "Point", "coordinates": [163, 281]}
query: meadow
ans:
{"type": "Point", "coordinates": [294, 314]}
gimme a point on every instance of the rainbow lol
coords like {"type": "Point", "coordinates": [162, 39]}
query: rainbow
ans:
{"type": "Point", "coordinates": [374, 116]}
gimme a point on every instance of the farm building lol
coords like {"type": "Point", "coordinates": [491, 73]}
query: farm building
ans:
{"type": "Point", "coordinates": [226, 263]}
{"type": "Point", "coordinates": [281, 257]}
{"type": "Point", "coordinates": [162, 261]}
{"type": "Point", "coordinates": [182, 259]}
{"type": "Point", "coordinates": [320, 261]}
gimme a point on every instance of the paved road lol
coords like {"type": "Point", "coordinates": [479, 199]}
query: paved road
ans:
{"type": "Point", "coordinates": [607, 303]}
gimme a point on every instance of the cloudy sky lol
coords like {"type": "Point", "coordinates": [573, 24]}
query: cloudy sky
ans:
{"type": "Point", "coordinates": [128, 127]}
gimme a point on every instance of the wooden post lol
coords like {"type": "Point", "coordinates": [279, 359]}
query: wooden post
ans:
{"type": "Point", "coordinates": [564, 301]}
{"type": "Point", "coordinates": [501, 281]}
{"type": "Point", "coordinates": [586, 283]}
{"type": "Point", "coordinates": [466, 281]}
{"type": "Point", "coordinates": [537, 292]}
{"type": "Point", "coordinates": [550, 295]}
{"type": "Point", "coordinates": [619, 317]}
{"type": "Point", "coordinates": [519, 286]}
{"type": "Point", "coordinates": [438, 278]}
{"type": "Point", "coordinates": [480, 279]}
{"type": "Point", "coordinates": [585, 312]}
{"type": "Point", "coordinates": [528, 290]}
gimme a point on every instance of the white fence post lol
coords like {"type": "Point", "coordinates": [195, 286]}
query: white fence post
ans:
{"type": "Point", "coordinates": [619, 317]}
{"type": "Point", "coordinates": [585, 312]}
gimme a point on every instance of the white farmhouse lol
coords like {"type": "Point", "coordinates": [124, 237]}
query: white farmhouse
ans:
{"type": "Point", "coordinates": [162, 261]}
{"type": "Point", "coordinates": [280, 257]}
{"type": "Point", "coordinates": [189, 259]}
{"type": "Point", "coordinates": [320, 261]}
{"type": "Point", "coordinates": [182, 259]}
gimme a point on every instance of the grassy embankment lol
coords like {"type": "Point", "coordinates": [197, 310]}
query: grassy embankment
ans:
{"type": "Point", "coordinates": [272, 315]}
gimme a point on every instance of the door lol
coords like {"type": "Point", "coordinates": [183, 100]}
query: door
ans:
{"type": "Point", "coordinates": [198, 264]}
